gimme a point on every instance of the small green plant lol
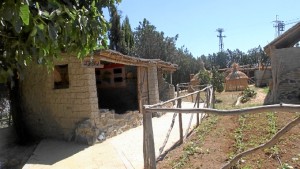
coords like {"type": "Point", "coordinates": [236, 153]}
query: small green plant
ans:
{"type": "Point", "coordinates": [266, 90]}
{"type": "Point", "coordinates": [247, 94]}
{"type": "Point", "coordinates": [272, 123]}
{"type": "Point", "coordinates": [287, 166]}
{"type": "Point", "coordinates": [238, 135]}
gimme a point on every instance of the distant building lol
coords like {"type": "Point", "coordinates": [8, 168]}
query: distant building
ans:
{"type": "Point", "coordinates": [236, 80]}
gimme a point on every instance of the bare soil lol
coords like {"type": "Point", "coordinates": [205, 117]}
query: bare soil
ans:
{"type": "Point", "coordinates": [219, 138]}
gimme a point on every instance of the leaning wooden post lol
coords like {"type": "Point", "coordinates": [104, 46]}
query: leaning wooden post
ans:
{"type": "Point", "coordinates": [207, 97]}
{"type": "Point", "coordinates": [211, 98]}
{"type": "Point", "coordinates": [198, 102]}
{"type": "Point", "coordinates": [180, 121]}
{"type": "Point", "coordinates": [148, 142]}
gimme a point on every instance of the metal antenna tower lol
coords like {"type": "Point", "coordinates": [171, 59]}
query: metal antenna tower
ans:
{"type": "Point", "coordinates": [220, 36]}
{"type": "Point", "coordinates": [279, 27]}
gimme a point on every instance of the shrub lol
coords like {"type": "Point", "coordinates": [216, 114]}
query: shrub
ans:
{"type": "Point", "coordinates": [247, 95]}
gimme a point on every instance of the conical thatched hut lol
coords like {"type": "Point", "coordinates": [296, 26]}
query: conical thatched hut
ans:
{"type": "Point", "coordinates": [236, 80]}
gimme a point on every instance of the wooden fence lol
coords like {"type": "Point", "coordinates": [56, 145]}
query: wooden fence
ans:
{"type": "Point", "coordinates": [149, 147]}
{"type": "Point", "coordinates": [148, 139]}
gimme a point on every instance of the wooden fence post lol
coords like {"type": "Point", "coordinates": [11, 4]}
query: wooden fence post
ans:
{"type": "Point", "coordinates": [207, 97]}
{"type": "Point", "coordinates": [198, 101]}
{"type": "Point", "coordinates": [180, 121]}
{"type": "Point", "coordinates": [211, 98]}
{"type": "Point", "coordinates": [148, 142]}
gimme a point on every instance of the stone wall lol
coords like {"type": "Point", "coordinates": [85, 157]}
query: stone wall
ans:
{"type": "Point", "coordinates": [285, 72]}
{"type": "Point", "coordinates": [72, 113]}
{"type": "Point", "coordinates": [153, 85]}
{"type": "Point", "coordinates": [113, 124]}
{"type": "Point", "coordinates": [56, 112]}
{"type": "Point", "coordinates": [166, 90]}
{"type": "Point", "coordinates": [289, 87]}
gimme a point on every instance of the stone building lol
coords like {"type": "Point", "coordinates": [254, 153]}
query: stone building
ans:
{"type": "Point", "coordinates": [102, 95]}
{"type": "Point", "coordinates": [285, 62]}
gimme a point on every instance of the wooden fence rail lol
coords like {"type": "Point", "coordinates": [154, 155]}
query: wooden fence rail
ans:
{"type": "Point", "coordinates": [154, 108]}
{"type": "Point", "coordinates": [257, 109]}
{"type": "Point", "coordinates": [148, 140]}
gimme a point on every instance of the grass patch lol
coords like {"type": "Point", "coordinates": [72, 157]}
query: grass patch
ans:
{"type": "Point", "coordinates": [266, 90]}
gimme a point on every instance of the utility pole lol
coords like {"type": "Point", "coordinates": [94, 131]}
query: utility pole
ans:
{"type": "Point", "coordinates": [279, 27]}
{"type": "Point", "coordinates": [220, 36]}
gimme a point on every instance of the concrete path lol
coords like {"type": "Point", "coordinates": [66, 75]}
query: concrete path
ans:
{"type": "Point", "coordinates": [124, 151]}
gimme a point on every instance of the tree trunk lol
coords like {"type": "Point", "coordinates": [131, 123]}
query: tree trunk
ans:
{"type": "Point", "coordinates": [16, 109]}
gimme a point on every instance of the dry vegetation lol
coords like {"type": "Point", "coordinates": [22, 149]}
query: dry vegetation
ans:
{"type": "Point", "coordinates": [219, 138]}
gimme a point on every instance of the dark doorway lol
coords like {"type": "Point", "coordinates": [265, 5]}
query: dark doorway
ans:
{"type": "Point", "coordinates": [117, 87]}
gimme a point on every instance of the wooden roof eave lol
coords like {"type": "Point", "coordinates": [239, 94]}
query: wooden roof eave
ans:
{"type": "Point", "coordinates": [116, 57]}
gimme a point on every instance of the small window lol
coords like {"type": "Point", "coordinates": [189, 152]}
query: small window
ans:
{"type": "Point", "coordinates": [61, 77]}
{"type": "Point", "coordinates": [117, 71]}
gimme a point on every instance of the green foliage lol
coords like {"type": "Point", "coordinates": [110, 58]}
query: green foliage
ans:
{"type": "Point", "coordinates": [40, 30]}
{"type": "Point", "coordinates": [247, 95]}
{"type": "Point", "coordinates": [217, 80]}
{"type": "Point", "coordinates": [239, 134]}
{"type": "Point", "coordinates": [127, 39]}
{"type": "Point", "coordinates": [286, 166]}
{"type": "Point", "coordinates": [253, 57]}
{"type": "Point", "coordinates": [266, 90]}
{"type": "Point", "coordinates": [114, 33]}
{"type": "Point", "coordinates": [204, 77]}
{"type": "Point", "coordinates": [152, 44]}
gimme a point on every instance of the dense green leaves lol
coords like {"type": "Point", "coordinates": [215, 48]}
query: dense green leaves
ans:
{"type": "Point", "coordinates": [127, 38]}
{"type": "Point", "coordinates": [217, 80]}
{"type": "Point", "coordinates": [24, 13]}
{"type": "Point", "coordinates": [40, 31]}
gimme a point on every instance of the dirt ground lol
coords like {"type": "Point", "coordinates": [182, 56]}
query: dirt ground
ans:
{"type": "Point", "coordinates": [219, 138]}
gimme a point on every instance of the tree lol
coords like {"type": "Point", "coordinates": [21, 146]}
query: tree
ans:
{"type": "Point", "coordinates": [148, 41]}
{"type": "Point", "coordinates": [259, 57]}
{"type": "Point", "coordinates": [152, 44]}
{"type": "Point", "coordinates": [217, 80]}
{"type": "Point", "coordinates": [127, 39]}
{"type": "Point", "coordinates": [39, 31]}
{"type": "Point", "coordinates": [222, 60]}
{"type": "Point", "coordinates": [115, 33]}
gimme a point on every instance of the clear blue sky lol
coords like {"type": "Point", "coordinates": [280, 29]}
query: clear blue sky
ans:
{"type": "Point", "coordinates": [247, 24]}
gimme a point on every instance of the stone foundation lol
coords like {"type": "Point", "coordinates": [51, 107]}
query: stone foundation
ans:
{"type": "Point", "coordinates": [106, 124]}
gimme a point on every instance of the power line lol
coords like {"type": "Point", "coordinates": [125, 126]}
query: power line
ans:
{"type": "Point", "coordinates": [280, 25]}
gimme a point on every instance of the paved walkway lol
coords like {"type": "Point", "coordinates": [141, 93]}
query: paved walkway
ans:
{"type": "Point", "coordinates": [124, 151]}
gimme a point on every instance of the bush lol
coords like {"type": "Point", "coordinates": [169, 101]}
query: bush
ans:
{"type": "Point", "coordinates": [247, 95]}
{"type": "Point", "coordinates": [217, 80]}
{"type": "Point", "coordinates": [249, 92]}
{"type": "Point", "coordinates": [204, 77]}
